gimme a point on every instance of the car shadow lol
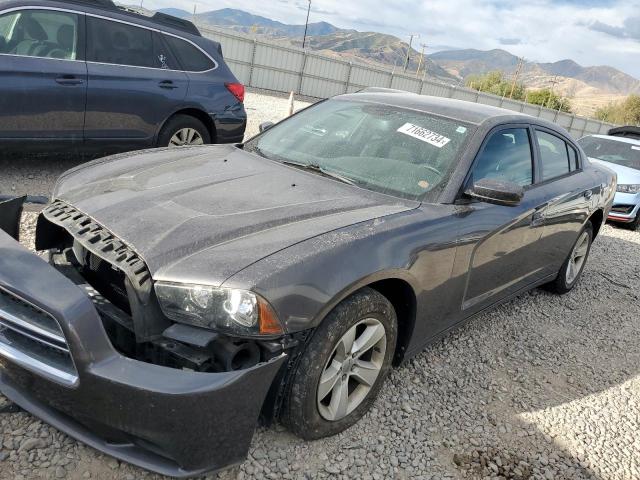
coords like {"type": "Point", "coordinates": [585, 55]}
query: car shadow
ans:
{"type": "Point", "coordinates": [541, 387]}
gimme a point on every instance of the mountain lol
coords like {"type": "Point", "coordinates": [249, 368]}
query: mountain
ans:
{"type": "Point", "coordinates": [249, 23]}
{"type": "Point", "coordinates": [463, 63]}
{"type": "Point", "coordinates": [375, 49]}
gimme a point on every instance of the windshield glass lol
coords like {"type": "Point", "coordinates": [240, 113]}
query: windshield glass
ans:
{"type": "Point", "coordinates": [382, 148]}
{"type": "Point", "coordinates": [618, 152]}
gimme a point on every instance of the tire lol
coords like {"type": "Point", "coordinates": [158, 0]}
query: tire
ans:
{"type": "Point", "coordinates": [180, 124]}
{"type": "Point", "coordinates": [565, 282]}
{"type": "Point", "coordinates": [304, 413]}
{"type": "Point", "coordinates": [634, 225]}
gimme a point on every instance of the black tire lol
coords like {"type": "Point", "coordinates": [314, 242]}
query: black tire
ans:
{"type": "Point", "coordinates": [634, 225]}
{"type": "Point", "coordinates": [180, 122]}
{"type": "Point", "coordinates": [301, 412]}
{"type": "Point", "coordinates": [560, 285]}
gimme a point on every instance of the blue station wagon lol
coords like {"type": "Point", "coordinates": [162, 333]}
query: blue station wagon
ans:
{"type": "Point", "coordinates": [92, 76]}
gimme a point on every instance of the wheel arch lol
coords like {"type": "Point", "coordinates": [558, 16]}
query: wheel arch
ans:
{"type": "Point", "coordinates": [196, 113]}
{"type": "Point", "coordinates": [397, 286]}
{"type": "Point", "coordinates": [597, 220]}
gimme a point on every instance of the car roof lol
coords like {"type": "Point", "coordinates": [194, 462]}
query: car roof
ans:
{"type": "Point", "coordinates": [107, 8]}
{"type": "Point", "coordinates": [628, 140]}
{"type": "Point", "coordinates": [470, 112]}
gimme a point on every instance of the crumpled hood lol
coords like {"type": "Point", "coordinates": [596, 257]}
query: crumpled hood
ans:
{"type": "Point", "coordinates": [201, 214]}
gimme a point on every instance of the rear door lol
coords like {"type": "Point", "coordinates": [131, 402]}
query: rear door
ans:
{"type": "Point", "coordinates": [43, 76]}
{"type": "Point", "coordinates": [135, 83]}
{"type": "Point", "coordinates": [569, 194]}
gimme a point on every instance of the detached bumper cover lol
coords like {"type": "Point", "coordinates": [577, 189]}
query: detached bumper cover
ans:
{"type": "Point", "coordinates": [170, 421]}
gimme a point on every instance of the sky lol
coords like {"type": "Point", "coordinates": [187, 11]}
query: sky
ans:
{"type": "Point", "coordinates": [591, 32]}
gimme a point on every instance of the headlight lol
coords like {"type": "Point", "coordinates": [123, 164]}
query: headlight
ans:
{"type": "Point", "coordinates": [629, 188]}
{"type": "Point", "coordinates": [226, 310]}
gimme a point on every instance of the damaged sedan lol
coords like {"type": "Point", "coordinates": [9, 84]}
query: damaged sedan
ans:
{"type": "Point", "coordinates": [188, 293]}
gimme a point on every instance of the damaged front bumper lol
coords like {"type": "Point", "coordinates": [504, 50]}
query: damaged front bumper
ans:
{"type": "Point", "coordinates": [57, 362]}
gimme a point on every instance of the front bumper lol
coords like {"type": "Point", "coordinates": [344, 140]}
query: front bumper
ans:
{"type": "Point", "coordinates": [174, 422]}
{"type": "Point", "coordinates": [626, 207]}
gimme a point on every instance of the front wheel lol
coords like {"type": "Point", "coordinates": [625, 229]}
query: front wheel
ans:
{"type": "Point", "coordinates": [343, 368]}
{"type": "Point", "coordinates": [183, 130]}
{"type": "Point", "coordinates": [573, 266]}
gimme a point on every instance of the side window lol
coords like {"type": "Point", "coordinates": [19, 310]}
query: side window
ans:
{"type": "Point", "coordinates": [506, 156]}
{"type": "Point", "coordinates": [164, 56]}
{"type": "Point", "coordinates": [120, 44]}
{"type": "Point", "coordinates": [39, 33]}
{"type": "Point", "coordinates": [554, 156]}
{"type": "Point", "coordinates": [573, 158]}
{"type": "Point", "coordinates": [191, 59]}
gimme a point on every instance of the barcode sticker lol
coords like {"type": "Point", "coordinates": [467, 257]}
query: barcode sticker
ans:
{"type": "Point", "coordinates": [425, 135]}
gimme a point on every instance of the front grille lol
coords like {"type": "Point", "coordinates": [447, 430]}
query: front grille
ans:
{"type": "Point", "coordinates": [32, 338]}
{"type": "Point", "coordinates": [626, 209]}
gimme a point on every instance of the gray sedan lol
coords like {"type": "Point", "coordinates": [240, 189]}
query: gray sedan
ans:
{"type": "Point", "coordinates": [191, 290]}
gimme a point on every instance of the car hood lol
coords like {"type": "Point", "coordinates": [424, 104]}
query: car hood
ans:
{"type": "Point", "coordinates": [626, 175]}
{"type": "Point", "coordinates": [201, 214]}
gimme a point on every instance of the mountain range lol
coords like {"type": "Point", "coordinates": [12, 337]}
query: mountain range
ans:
{"type": "Point", "coordinates": [589, 87]}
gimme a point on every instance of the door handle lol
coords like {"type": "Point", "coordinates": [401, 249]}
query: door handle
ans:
{"type": "Point", "coordinates": [167, 84]}
{"type": "Point", "coordinates": [588, 194]}
{"type": "Point", "coordinates": [69, 80]}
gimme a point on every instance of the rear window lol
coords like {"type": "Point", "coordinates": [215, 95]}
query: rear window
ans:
{"type": "Point", "coordinates": [119, 44]}
{"type": "Point", "coordinates": [191, 59]}
{"type": "Point", "coordinates": [553, 156]}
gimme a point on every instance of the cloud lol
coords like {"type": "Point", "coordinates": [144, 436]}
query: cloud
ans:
{"type": "Point", "coordinates": [510, 41]}
{"type": "Point", "coordinates": [592, 32]}
{"type": "Point", "coordinates": [630, 28]}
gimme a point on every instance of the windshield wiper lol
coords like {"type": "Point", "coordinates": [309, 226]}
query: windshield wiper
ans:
{"type": "Point", "coordinates": [314, 167]}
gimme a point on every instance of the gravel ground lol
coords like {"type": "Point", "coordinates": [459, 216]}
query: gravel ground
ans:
{"type": "Point", "coordinates": [543, 387]}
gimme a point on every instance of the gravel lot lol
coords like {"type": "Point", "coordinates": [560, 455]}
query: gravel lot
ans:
{"type": "Point", "coordinates": [543, 387]}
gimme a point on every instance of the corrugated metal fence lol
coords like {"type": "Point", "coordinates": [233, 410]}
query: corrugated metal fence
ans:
{"type": "Point", "coordinates": [272, 66]}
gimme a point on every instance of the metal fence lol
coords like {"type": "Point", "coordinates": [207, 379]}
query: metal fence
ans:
{"type": "Point", "coordinates": [272, 66]}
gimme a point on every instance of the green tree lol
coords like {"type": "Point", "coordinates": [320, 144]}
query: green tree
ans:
{"type": "Point", "coordinates": [496, 83]}
{"type": "Point", "coordinates": [548, 99]}
{"type": "Point", "coordinates": [626, 112]}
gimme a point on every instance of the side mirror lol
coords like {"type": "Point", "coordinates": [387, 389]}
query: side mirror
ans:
{"type": "Point", "coordinates": [264, 126]}
{"type": "Point", "coordinates": [499, 192]}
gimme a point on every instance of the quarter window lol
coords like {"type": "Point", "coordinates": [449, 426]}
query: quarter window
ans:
{"type": "Point", "coordinates": [39, 33]}
{"type": "Point", "coordinates": [191, 59]}
{"type": "Point", "coordinates": [573, 158]}
{"type": "Point", "coordinates": [506, 156]}
{"type": "Point", "coordinates": [554, 156]}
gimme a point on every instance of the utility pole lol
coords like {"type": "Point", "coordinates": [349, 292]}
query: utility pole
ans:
{"type": "Point", "coordinates": [406, 62]}
{"type": "Point", "coordinates": [421, 60]}
{"type": "Point", "coordinates": [306, 25]}
{"type": "Point", "coordinates": [553, 84]}
{"type": "Point", "coordinates": [515, 77]}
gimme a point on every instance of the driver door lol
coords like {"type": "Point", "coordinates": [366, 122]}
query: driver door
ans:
{"type": "Point", "coordinates": [499, 244]}
{"type": "Point", "coordinates": [43, 78]}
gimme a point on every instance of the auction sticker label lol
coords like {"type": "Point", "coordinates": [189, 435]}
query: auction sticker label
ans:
{"type": "Point", "coordinates": [425, 135]}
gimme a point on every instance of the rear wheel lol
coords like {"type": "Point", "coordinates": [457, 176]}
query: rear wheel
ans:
{"type": "Point", "coordinates": [574, 264]}
{"type": "Point", "coordinates": [343, 367]}
{"type": "Point", "coordinates": [635, 224]}
{"type": "Point", "coordinates": [183, 130]}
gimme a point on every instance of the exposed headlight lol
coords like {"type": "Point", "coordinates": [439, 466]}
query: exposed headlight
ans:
{"type": "Point", "coordinates": [629, 188]}
{"type": "Point", "coordinates": [226, 310]}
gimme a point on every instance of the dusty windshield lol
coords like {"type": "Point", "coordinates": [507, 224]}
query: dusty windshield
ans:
{"type": "Point", "coordinates": [382, 148]}
{"type": "Point", "coordinates": [614, 151]}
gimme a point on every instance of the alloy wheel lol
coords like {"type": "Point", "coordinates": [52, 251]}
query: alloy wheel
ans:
{"type": "Point", "coordinates": [186, 136]}
{"type": "Point", "coordinates": [577, 258]}
{"type": "Point", "coordinates": [352, 369]}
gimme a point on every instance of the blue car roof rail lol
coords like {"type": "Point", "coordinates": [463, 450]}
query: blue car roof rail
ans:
{"type": "Point", "coordinates": [158, 18]}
